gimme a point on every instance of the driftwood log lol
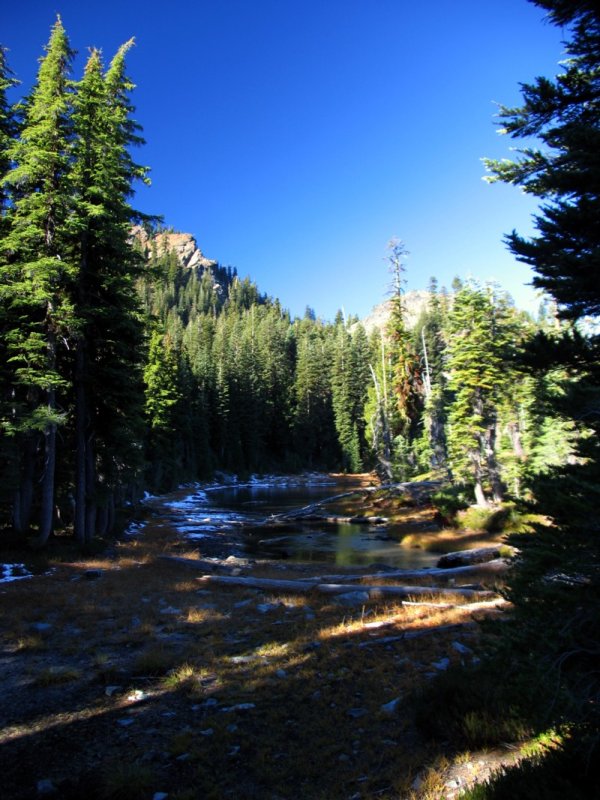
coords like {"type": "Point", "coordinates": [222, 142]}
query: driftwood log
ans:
{"type": "Point", "coordinates": [497, 567]}
{"type": "Point", "coordinates": [464, 557]}
{"type": "Point", "coordinates": [374, 591]}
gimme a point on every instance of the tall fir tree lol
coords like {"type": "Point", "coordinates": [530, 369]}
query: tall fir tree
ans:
{"type": "Point", "coordinates": [107, 369]}
{"type": "Point", "coordinates": [36, 266]}
{"type": "Point", "coordinates": [476, 366]}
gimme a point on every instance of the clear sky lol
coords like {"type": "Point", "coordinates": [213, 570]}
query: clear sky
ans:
{"type": "Point", "coordinates": [295, 139]}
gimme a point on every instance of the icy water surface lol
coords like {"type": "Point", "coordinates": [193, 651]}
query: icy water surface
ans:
{"type": "Point", "coordinates": [207, 512]}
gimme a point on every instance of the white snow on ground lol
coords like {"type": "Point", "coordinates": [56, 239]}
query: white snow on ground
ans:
{"type": "Point", "coordinates": [13, 572]}
{"type": "Point", "coordinates": [134, 528]}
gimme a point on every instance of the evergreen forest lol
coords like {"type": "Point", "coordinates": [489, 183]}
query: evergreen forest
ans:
{"type": "Point", "coordinates": [125, 371]}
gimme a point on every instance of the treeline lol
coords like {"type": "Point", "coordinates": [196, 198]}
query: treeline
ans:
{"type": "Point", "coordinates": [233, 382]}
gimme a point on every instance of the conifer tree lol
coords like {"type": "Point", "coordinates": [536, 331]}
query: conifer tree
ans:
{"type": "Point", "coordinates": [8, 132]}
{"type": "Point", "coordinates": [107, 373]}
{"type": "Point", "coordinates": [476, 365]}
{"type": "Point", "coordinates": [553, 640]}
{"type": "Point", "coordinates": [35, 270]}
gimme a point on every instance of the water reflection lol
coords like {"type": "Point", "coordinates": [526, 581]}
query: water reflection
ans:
{"type": "Point", "coordinates": [246, 507]}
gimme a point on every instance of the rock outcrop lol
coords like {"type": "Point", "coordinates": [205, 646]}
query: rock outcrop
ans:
{"type": "Point", "coordinates": [414, 303]}
{"type": "Point", "coordinates": [184, 245]}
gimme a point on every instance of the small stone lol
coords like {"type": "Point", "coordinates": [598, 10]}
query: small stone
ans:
{"type": "Point", "coordinates": [46, 787]}
{"type": "Point", "coordinates": [461, 648]}
{"type": "Point", "coordinates": [232, 728]}
{"type": "Point", "coordinates": [344, 757]}
{"type": "Point", "coordinates": [264, 608]}
{"type": "Point", "coordinates": [352, 598]}
{"type": "Point", "coordinates": [125, 722]}
{"type": "Point", "coordinates": [243, 603]}
{"type": "Point", "coordinates": [239, 707]}
{"type": "Point", "coordinates": [170, 610]}
{"type": "Point", "coordinates": [160, 796]}
{"type": "Point", "coordinates": [391, 707]}
{"type": "Point", "coordinates": [207, 732]}
{"type": "Point", "coordinates": [136, 696]}
{"type": "Point", "coordinates": [110, 690]}
{"type": "Point", "coordinates": [92, 574]}
{"type": "Point", "coordinates": [281, 673]}
{"type": "Point", "coordinates": [442, 664]}
{"type": "Point", "coordinates": [184, 757]}
{"type": "Point", "coordinates": [356, 713]}
{"type": "Point", "coordinates": [41, 627]}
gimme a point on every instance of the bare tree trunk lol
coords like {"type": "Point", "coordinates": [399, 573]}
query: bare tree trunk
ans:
{"type": "Point", "coordinates": [492, 464]}
{"type": "Point", "coordinates": [80, 446]}
{"type": "Point", "coordinates": [47, 496]}
{"type": "Point", "coordinates": [23, 500]}
{"type": "Point", "coordinates": [90, 480]}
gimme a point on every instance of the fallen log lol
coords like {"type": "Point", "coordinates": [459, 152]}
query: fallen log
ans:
{"type": "Point", "coordinates": [307, 510]}
{"type": "Point", "coordinates": [497, 567]}
{"type": "Point", "coordinates": [200, 564]}
{"type": "Point", "coordinates": [417, 634]}
{"type": "Point", "coordinates": [478, 555]}
{"type": "Point", "coordinates": [301, 587]}
{"type": "Point", "coordinates": [322, 519]}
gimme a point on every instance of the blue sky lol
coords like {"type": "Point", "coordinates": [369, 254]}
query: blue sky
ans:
{"type": "Point", "coordinates": [295, 139]}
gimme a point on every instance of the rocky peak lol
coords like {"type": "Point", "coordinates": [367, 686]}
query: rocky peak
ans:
{"type": "Point", "coordinates": [414, 303]}
{"type": "Point", "coordinates": [187, 251]}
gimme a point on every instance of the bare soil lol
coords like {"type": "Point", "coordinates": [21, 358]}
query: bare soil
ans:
{"type": "Point", "coordinates": [122, 678]}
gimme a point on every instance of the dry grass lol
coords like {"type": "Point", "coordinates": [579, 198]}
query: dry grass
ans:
{"type": "Point", "coordinates": [208, 696]}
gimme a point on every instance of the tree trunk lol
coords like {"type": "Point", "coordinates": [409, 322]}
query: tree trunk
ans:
{"type": "Point", "coordinates": [80, 446]}
{"type": "Point", "coordinates": [47, 497]}
{"type": "Point", "coordinates": [24, 495]}
{"type": "Point", "coordinates": [492, 463]}
{"type": "Point", "coordinates": [90, 480]}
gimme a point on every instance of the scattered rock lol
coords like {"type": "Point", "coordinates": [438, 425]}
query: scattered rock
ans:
{"type": "Point", "coordinates": [160, 796]}
{"type": "Point", "coordinates": [264, 608]}
{"type": "Point", "coordinates": [391, 707]}
{"type": "Point", "coordinates": [352, 598]}
{"type": "Point", "coordinates": [41, 627]}
{"type": "Point", "coordinates": [136, 696]}
{"type": "Point", "coordinates": [239, 707]}
{"type": "Point", "coordinates": [124, 722]}
{"type": "Point", "coordinates": [46, 787]}
{"type": "Point", "coordinates": [110, 690]}
{"type": "Point", "coordinates": [461, 648]}
{"type": "Point", "coordinates": [92, 574]}
{"type": "Point", "coordinates": [356, 713]}
{"type": "Point", "coordinates": [170, 610]}
{"type": "Point", "coordinates": [442, 664]}
{"type": "Point", "coordinates": [281, 673]}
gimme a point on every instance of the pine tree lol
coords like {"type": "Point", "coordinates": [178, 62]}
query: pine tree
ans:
{"type": "Point", "coordinates": [8, 132]}
{"type": "Point", "coordinates": [478, 337]}
{"type": "Point", "coordinates": [35, 270]}
{"type": "Point", "coordinates": [107, 372]}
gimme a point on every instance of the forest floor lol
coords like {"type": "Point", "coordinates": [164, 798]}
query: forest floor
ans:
{"type": "Point", "coordinates": [125, 677]}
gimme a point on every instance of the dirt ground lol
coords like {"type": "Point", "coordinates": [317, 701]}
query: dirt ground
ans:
{"type": "Point", "coordinates": [125, 677]}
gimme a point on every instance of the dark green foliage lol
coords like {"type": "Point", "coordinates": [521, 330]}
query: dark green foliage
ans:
{"type": "Point", "coordinates": [551, 645]}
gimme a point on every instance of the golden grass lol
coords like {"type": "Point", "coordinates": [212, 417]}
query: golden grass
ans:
{"type": "Point", "coordinates": [303, 674]}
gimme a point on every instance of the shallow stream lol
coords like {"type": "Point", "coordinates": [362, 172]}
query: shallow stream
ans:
{"type": "Point", "coordinates": [211, 511]}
